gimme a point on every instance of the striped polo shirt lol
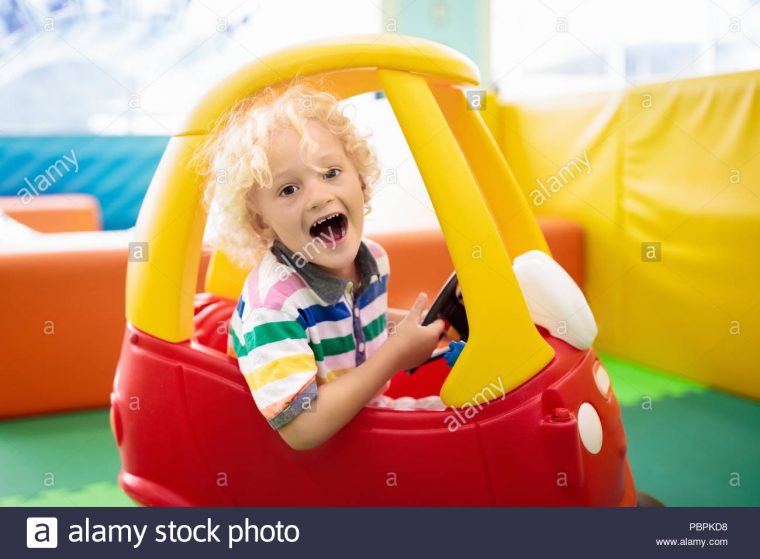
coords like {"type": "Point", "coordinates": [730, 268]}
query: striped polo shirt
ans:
{"type": "Point", "coordinates": [296, 326]}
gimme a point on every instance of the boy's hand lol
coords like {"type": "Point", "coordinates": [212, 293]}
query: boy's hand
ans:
{"type": "Point", "coordinates": [415, 343]}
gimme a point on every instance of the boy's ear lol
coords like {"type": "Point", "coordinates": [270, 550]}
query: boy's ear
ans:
{"type": "Point", "coordinates": [261, 227]}
{"type": "Point", "coordinates": [364, 192]}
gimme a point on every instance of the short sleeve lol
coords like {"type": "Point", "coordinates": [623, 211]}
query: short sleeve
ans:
{"type": "Point", "coordinates": [381, 257]}
{"type": "Point", "coordinates": [277, 362]}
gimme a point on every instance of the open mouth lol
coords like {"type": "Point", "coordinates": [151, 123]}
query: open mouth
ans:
{"type": "Point", "coordinates": [332, 227]}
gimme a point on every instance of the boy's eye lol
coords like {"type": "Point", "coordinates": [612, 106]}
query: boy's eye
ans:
{"type": "Point", "coordinates": [332, 173]}
{"type": "Point", "coordinates": [288, 190]}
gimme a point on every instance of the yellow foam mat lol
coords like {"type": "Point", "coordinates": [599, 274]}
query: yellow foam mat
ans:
{"type": "Point", "coordinates": [677, 164]}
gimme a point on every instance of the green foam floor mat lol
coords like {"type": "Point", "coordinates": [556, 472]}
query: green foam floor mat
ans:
{"type": "Point", "coordinates": [60, 460]}
{"type": "Point", "coordinates": [687, 445]}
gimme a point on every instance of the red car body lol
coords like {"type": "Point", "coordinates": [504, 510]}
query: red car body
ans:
{"type": "Point", "coordinates": [189, 434]}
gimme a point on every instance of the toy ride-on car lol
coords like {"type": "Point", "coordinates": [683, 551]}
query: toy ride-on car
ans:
{"type": "Point", "coordinates": [528, 414]}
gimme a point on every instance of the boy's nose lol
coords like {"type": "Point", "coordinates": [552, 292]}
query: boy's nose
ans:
{"type": "Point", "coordinates": [321, 194]}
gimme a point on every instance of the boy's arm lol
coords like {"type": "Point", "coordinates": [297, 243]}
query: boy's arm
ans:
{"type": "Point", "coordinates": [341, 399]}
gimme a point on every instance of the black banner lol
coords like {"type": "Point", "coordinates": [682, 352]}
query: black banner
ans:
{"type": "Point", "coordinates": [381, 533]}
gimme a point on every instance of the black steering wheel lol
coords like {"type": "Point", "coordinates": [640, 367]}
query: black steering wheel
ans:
{"type": "Point", "coordinates": [449, 306]}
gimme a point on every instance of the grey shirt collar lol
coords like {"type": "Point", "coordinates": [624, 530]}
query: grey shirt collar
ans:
{"type": "Point", "coordinates": [327, 286]}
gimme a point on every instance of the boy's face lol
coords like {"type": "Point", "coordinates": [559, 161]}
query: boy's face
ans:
{"type": "Point", "coordinates": [319, 215]}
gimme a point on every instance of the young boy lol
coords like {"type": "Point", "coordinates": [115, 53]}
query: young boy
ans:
{"type": "Point", "coordinates": [309, 330]}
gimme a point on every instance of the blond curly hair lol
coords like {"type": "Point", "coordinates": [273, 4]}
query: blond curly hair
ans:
{"type": "Point", "coordinates": [235, 158]}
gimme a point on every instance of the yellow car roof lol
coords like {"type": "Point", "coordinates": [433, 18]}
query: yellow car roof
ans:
{"type": "Point", "coordinates": [482, 211]}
